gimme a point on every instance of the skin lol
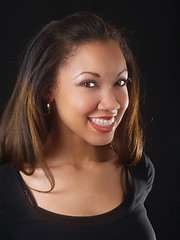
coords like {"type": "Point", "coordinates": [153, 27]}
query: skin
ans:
{"type": "Point", "coordinates": [75, 152]}
{"type": "Point", "coordinates": [72, 136]}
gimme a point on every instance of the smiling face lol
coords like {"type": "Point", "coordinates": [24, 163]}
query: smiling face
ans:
{"type": "Point", "coordinates": [91, 85]}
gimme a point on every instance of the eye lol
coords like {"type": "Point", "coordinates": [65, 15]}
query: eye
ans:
{"type": "Point", "coordinates": [88, 84]}
{"type": "Point", "coordinates": [122, 82]}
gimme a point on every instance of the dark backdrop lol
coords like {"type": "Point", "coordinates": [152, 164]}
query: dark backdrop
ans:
{"type": "Point", "coordinates": [152, 28]}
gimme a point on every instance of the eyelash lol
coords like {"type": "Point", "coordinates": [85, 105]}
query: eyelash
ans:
{"type": "Point", "coordinates": [92, 81]}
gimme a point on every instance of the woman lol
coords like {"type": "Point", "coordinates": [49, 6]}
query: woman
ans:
{"type": "Point", "coordinates": [72, 161]}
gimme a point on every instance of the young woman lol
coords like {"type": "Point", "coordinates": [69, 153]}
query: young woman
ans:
{"type": "Point", "coordinates": [72, 160]}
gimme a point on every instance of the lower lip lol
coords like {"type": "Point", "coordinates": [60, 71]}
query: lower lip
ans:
{"type": "Point", "coordinates": [102, 129]}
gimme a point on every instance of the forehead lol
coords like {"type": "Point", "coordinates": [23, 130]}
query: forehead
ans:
{"type": "Point", "coordinates": [96, 56]}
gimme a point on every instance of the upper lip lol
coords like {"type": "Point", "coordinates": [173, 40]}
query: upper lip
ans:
{"type": "Point", "coordinates": [105, 117]}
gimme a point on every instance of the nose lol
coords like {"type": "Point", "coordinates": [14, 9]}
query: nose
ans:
{"type": "Point", "coordinates": [108, 102]}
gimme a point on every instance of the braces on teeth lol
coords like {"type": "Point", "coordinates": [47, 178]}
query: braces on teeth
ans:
{"type": "Point", "coordinates": [103, 123]}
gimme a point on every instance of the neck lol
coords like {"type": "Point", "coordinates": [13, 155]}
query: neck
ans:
{"type": "Point", "coordinates": [75, 151]}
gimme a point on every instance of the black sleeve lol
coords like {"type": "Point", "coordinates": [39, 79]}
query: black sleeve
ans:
{"type": "Point", "coordinates": [4, 232]}
{"type": "Point", "coordinates": [143, 174]}
{"type": "Point", "coordinates": [5, 219]}
{"type": "Point", "coordinates": [150, 173]}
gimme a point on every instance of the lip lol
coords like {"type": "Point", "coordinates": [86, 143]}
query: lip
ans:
{"type": "Point", "coordinates": [103, 117]}
{"type": "Point", "coordinates": [100, 128]}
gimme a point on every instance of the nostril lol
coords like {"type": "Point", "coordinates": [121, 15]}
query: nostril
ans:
{"type": "Point", "coordinates": [109, 106]}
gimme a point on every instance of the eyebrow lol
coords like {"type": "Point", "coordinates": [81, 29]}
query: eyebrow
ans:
{"type": "Point", "coordinates": [98, 75]}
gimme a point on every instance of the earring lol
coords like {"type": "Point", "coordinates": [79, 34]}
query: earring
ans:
{"type": "Point", "coordinates": [49, 107]}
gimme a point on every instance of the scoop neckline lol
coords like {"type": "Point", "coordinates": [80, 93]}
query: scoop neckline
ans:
{"type": "Point", "coordinates": [116, 213]}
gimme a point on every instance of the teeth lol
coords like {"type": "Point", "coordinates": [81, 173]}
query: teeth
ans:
{"type": "Point", "coordinates": [101, 122]}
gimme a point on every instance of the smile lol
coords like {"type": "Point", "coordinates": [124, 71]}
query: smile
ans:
{"type": "Point", "coordinates": [101, 122]}
{"type": "Point", "coordinates": [102, 125]}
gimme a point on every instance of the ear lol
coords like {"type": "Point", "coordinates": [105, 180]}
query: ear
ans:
{"type": "Point", "coordinates": [48, 95]}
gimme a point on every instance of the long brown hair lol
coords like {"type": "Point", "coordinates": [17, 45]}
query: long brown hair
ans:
{"type": "Point", "coordinates": [25, 124]}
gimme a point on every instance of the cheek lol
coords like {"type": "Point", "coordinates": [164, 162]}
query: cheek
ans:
{"type": "Point", "coordinates": [124, 99]}
{"type": "Point", "coordinates": [74, 104]}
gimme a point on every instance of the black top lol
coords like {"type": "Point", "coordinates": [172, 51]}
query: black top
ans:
{"type": "Point", "coordinates": [22, 220]}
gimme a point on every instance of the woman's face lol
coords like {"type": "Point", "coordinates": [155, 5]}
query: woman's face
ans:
{"type": "Point", "coordinates": [91, 95]}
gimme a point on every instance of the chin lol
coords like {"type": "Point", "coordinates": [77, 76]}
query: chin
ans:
{"type": "Point", "coordinates": [101, 141]}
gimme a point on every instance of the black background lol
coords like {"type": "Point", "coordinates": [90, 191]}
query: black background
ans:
{"type": "Point", "coordinates": [153, 29]}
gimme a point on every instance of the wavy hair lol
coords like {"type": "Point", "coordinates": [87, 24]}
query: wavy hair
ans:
{"type": "Point", "coordinates": [25, 124]}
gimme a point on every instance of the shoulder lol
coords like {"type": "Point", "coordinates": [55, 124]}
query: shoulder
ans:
{"type": "Point", "coordinates": [149, 170]}
{"type": "Point", "coordinates": [143, 174]}
{"type": "Point", "coordinates": [144, 169]}
{"type": "Point", "coordinates": [6, 194]}
{"type": "Point", "coordinates": [5, 170]}
{"type": "Point", "coordinates": [8, 179]}
{"type": "Point", "coordinates": [9, 185]}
